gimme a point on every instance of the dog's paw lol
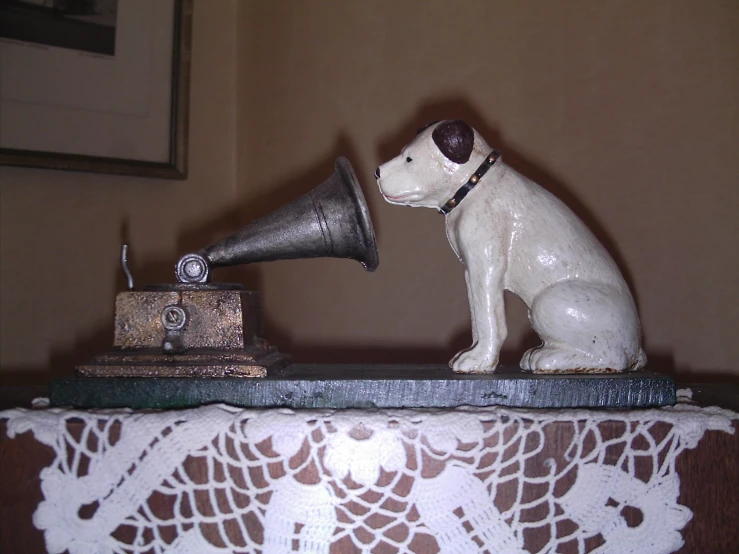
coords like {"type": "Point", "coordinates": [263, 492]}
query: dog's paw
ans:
{"type": "Point", "coordinates": [474, 360]}
{"type": "Point", "coordinates": [525, 362]}
{"type": "Point", "coordinates": [550, 359]}
{"type": "Point", "coordinates": [456, 357]}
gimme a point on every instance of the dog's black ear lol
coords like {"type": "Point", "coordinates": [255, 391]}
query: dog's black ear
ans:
{"type": "Point", "coordinates": [422, 129]}
{"type": "Point", "coordinates": [455, 140]}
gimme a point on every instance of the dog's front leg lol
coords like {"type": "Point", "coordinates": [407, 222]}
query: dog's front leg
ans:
{"type": "Point", "coordinates": [473, 318]}
{"type": "Point", "coordinates": [471, 301]}
{"type": "Point", "coordinates": [472, 304]}
{"type": "Point", "coordinates": [487, 309]}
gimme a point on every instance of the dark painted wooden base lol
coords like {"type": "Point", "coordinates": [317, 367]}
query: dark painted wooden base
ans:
{"type": "Point", "coordinates": [372, 386]}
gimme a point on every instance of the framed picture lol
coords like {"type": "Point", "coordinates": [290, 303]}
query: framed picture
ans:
{"type": "Point", "coordinates": [96, 85]}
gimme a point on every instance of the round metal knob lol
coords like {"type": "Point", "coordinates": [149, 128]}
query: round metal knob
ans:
{"type": "Point", "coordinates": [173, 318]}
{"type": "Point", "coordinates": [192, 268]}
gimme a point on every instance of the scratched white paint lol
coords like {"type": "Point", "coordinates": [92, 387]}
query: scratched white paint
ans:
{"type": "Point", "coordinates": [511, 234]}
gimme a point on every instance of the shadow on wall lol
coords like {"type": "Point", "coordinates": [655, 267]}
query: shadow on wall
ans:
{"type": "Point", "coordinates": [459, 108]}
{"type": "Point", "coordinates": [260, 204]}
{"type": "Point", "coordinates": [62, 362]}
{"type": "Point", "coordinates": [461, 339]}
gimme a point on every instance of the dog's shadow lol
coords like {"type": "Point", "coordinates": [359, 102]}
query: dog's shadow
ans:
{"type": "Point", "coordinates": [459, 108]}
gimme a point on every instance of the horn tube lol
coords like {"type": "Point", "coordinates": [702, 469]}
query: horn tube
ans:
{"type": "Point", "coordinates": [331, 221]}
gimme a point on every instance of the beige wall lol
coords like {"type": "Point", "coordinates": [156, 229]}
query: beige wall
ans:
{"type": "Point", "coordinates": [60, 232]}
{"type": "Point", "coordinates": [627, 110]}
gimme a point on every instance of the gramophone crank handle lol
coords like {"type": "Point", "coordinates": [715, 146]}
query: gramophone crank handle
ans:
{"type": "Point", "coordinates": [124, 265]}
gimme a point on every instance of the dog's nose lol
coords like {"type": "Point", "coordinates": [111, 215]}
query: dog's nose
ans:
{"type": "Point", "coordinates": [377, 173]}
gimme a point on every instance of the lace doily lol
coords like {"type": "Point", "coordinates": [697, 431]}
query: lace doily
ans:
{"type": "Point", "coordinates": [221, 479]}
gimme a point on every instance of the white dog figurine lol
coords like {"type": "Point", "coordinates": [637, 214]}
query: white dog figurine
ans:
{"type": "Point", "coordinates": [512, 234]}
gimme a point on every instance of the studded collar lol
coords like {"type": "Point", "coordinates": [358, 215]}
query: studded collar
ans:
{"type": "Point", "coordinates": [471, 183]}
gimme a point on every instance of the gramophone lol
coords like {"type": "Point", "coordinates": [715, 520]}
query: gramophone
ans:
{"type": "Point", "coordinates": [200, 328]}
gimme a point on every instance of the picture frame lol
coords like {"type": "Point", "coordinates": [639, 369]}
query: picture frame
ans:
{"type": "Point", "coordinates": [167, 107]}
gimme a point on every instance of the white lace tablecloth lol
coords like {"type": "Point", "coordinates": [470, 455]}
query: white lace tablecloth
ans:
{"type": "Point", "coordinates": [222, 479]}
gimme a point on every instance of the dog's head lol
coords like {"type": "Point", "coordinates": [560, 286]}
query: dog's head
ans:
{"type": "Point", "coordinates": [430, 169]}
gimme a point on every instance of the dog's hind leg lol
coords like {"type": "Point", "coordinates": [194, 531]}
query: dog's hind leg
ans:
{"type": "Point", "coordinates": [584, 327]}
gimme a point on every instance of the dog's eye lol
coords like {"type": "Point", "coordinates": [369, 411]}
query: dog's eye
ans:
{"type": "Point", "coordinates": [409, 159]}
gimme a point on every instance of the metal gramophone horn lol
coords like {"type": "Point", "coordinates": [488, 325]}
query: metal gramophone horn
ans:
{"type": "Point", "coordinates": [330, 221]}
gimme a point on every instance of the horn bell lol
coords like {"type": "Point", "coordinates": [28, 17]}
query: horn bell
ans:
{"type": "Point", "coordinates": [330, 221]}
